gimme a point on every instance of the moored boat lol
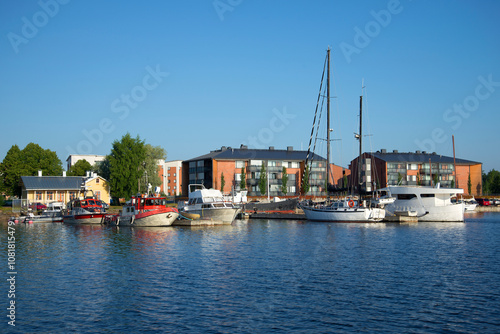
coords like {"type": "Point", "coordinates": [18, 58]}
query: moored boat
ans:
{"type": "Point", "coordinates": [428, 203]}
{"type": "Point", "coordinates": [209, 204]}
{"type": "Point", "coordinates": [53, 214]}
{"type": "Point", "coordinates": [145, 211]}
{"type": "Point", "coordinates": [84, 211]}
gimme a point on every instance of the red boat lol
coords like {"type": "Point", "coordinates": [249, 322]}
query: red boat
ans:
{"type": "Point", "coordinates": [144, 211]}
{"type": "Point", "coordinates": [85, 211]}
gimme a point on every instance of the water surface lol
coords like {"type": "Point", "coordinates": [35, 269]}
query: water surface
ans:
{"type": "Point", "coordinates": [259, 276]}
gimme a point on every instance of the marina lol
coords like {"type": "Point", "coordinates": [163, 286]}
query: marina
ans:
{"type": "Point", "coordinates": [260, 275]}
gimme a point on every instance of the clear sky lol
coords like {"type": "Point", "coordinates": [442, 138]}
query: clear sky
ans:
{"type": "Point", "coordinates": [192, 76]}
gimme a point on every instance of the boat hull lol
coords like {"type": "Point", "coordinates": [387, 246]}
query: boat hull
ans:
{"type": "Point", "coordinates": [95, 218]}
{"type": "Point", "coordinates": [344, 214]}
{"type": "Point", "coordinates": [149, 219]}
{"type": "Point", "coordinates": [288, 205]}
{"type": "Point", "coordinates": [226, 215]}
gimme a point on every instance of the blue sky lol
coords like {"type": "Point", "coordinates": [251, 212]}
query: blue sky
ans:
{"type": "Point", "coordinates": [192, 76]}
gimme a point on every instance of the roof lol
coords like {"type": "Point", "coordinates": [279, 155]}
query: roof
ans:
{"type": "Point", "coordinates": [53, 182]}
{"type": "Point", "coordinates": [254, 154]}
{"type": "Point", "coordinates": [419, 157]}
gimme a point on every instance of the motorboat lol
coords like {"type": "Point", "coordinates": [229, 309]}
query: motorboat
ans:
{"type": "Point", "coordinates": [145, 211]}
{"type": "Point", "coordinates": [209, 204]}
{"type": "Point", "coordinates": [425, 202]}
{"type": "Point", "coordinates": [53, 214]}
{"type": "Point", "coordinates": [84, 211]}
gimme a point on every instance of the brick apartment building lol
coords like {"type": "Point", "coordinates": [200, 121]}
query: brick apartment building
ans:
{"type": "Point", "coordinates": [209, 168]}
{"type": "Point", "coordinates": [170, 173]}
{"type": "Point", "coordinates": [384, 168]}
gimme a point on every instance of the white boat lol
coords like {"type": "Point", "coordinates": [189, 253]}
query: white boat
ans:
{"type": "Point", "coordinates": [470, 204]}
{"type": "Point", "coordinates": [53, 214]}
{"type": "Point", "coordinates": [147, 211]}
{"type": "Point", "coordinates": [346, 210]}
{"type": "Point", "coordinates": [429, 203]}
{"type": "Point", "coordinates": [209, 204]}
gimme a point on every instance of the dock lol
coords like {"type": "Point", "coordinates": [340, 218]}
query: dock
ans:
{"type": "Point", "coordinates": [199, 222]}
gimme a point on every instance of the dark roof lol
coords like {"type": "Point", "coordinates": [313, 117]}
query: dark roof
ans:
{"type": "Point", "coordinates": [246, 154]}
{"type": "Point", "coordinates": [420, 157]}
{"type": "Point", "coordinates": [53, 182]}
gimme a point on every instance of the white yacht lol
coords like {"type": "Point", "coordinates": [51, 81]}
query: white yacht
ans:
{"type": "Point", "coordinates": [426, 203]}
{"type": "Point", "coordinates": [346, 210]}
{"type": "Point", "coordinates": [209, 204]}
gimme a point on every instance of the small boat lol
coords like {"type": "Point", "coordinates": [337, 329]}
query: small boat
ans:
{"type": "Point", "coordinates": [209, 204]}
{"type": "Point", "coordinates": [275, 205]}
{"type": "Point", "coordinates": [345, 210]}
{"type": "Point", "coordinates": [144, 211]}
{"type": "Point", "coordinates": [84, 211]}
{"type": "Point", "coordinates": [53, 214]}
{"type": "Point", "coordinates": [429, 203]}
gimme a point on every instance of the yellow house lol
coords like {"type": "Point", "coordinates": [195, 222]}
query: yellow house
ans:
{"type": "Point", "coordinates": [46, 189]}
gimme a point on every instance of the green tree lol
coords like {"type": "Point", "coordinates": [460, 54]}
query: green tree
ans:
{"type": "Point", "coordinates": [36, 158]}
{"type": "Point", "coordinates": [27, 162]}
{"type": "Point", "coordinates": [263, 180]}
{"type": "Point", "coordinates": [305, 182]}
{"type": "Point", "coordinates": [11, 171]}
{"type": "Point", "coordinates": [80, 168]}
{"type": "Point", "coordinates": [126, 166]}
{"type": "Point", "coordinates": [102, 168]}
{"type": "Point", "coordinates": [150, 166]}
{"type": "Point", "coordinates": [284, 181]}
{"type": "Point", "coordinates": [243, 181]}
{"type": "Point", "coordinates": [494, 182]}
{"type": "Point", "coordinates": [222, 182]}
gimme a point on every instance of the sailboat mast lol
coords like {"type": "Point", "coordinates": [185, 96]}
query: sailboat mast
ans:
{"type": "Point", "coordinates": [360, 142]}
{"type": "Point", "coordinates": [328, 125]}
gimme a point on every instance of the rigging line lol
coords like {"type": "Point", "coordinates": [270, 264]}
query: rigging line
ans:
{"type": "Point", "coordinates": [315, 113]}
{"type": "Point", "coordinates": [317, 127]}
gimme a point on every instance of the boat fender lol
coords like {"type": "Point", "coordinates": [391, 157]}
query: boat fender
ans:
{"type": "Point", "coordinates": [351, 203]}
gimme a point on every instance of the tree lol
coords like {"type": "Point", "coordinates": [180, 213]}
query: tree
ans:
{"type": "Point", "coordinates": [11, 171]}
{"type": "Point", "coordinates": [263, 180]}
{"type": "Point", "coordinates": [222, 182]}
{"type": "Point", "coordinates": [284, 181]}
{"type": "Point", "coordinates": [126, 166]}
{"type": "Point", "coordinates": [27, 162]}
{"type": "Point", "coordinates": [243, 181]}
{"type": "Point", "coordinates": [469, 186]}
{"type": "Point", "coordinates": [102, 168]}
{"type": "Point", "coordinates": [80, 168]}
{"type": "Point", "coordinates": [150, 166]}
{"type": "Point", "coordinates": [305, 182]}
{"type": "Point", "coordinates": [36, 158]}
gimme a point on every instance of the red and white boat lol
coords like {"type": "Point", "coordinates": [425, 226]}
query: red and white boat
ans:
{"type": "Point", "coordinates": [144, 211]}
{"type": "Point", "coordinates": [85, 211]}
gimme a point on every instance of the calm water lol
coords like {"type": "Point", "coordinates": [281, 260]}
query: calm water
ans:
{"type": "Point", "coordinates": [258, 276]}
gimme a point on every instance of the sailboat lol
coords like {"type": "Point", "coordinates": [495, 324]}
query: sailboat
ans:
{"type": "Point", "coordinates": [349, 209]}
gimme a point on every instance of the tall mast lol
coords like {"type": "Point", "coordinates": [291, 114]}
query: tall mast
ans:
{"type": "Point", "coordinates": [328, 125]}
{"type": "Point", "coordinates": [454, 162]}
{"type": "Point", "coordinates": [360, 142]}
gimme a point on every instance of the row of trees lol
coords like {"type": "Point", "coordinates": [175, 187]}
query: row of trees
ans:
{"type": "Point", "coordinates": [129, 168]}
